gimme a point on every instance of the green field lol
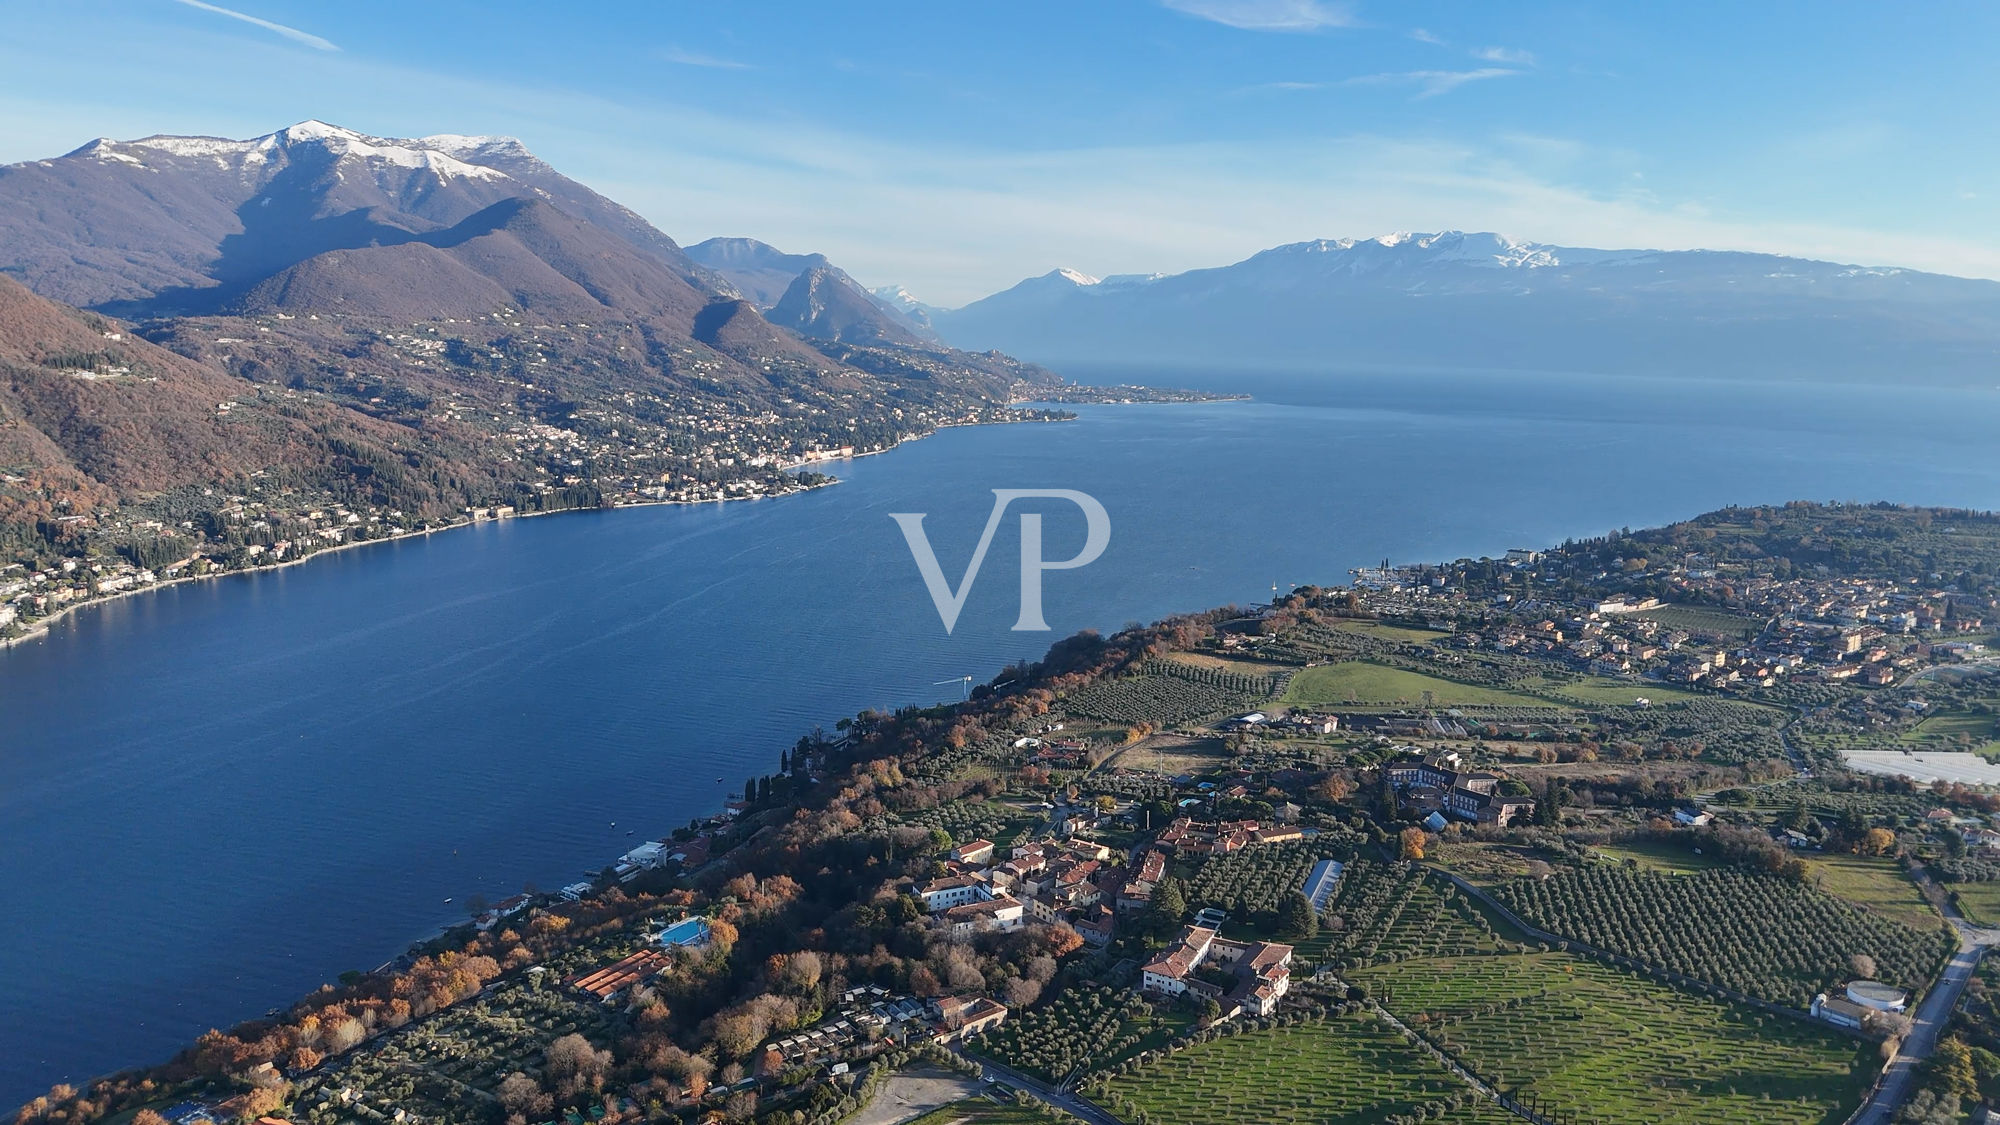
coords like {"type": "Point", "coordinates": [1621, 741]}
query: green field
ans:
{"type": "Point", "coordinates": [1606, 1045]}
{"type": "Point", "coordinates": [1875, 884]}
{"type": "Point", "coordinates": [1386, 632]}
{"type": "Point", "coordinates": [1958, 730]}
{"type": "Point", "coordinates": [1674, 859]}
{"type": "Point", "coordinates": [1359, 682]}
{"type": "Point", "coordinates": [1351, 1070]}
{"type": "Point", "coordinates": [1701, 619]}
{"type": "Point", "coordinates": [1621, 693]}
{"type": "Point", "coordinates": [1979, 902]}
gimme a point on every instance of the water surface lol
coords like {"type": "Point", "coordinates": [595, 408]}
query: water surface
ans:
{"type": "Point", "coordinates": [216, 796]}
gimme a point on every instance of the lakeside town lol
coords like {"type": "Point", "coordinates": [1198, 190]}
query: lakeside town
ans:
{"type": "Point", "coordinates": [1347, 847]}
{"type": "Point", "coordinates": [686, 454]}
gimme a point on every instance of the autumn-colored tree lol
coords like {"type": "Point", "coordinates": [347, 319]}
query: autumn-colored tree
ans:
{"type": "Point", "coordinates": [264, 1101]}
{"type": "Point", "coordinates": [574, 1068]}
{"type": "Point", "coordinates": [1878, 841]}
{"type": "Point", "coordinates": [341, 1033]}
{"type": "Point", "coordinates": [1334, 788]}
{"type": "Point", "coordinates": [303, 1058]}
{"type": "Point", "coordinates": [1414, 839]}
{"type": "Point", "coordinates": [801, 971]}
{"type": "Point", "coordinates": [520, 1094]}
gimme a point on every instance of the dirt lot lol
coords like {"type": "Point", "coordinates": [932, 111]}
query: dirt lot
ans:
{"type": "Point", "coordinates": [1171, 754]}
{"type": "Point", "coordinates": [914, 1092]}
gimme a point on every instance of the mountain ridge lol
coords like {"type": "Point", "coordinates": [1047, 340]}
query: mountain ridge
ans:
{"type": "Point", "coordinates": [1484, 301]}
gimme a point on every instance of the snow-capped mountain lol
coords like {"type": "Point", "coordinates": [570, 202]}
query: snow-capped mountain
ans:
{"type": "Point", "coordinates": [178, 223]}
{"type": "Point", "coordinates": [1484, 301]}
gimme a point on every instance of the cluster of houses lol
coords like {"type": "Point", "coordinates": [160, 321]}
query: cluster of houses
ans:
{"type": "Point", "coordinates": [1071, 882]}
{"type": "Point", "coordinates": [1242, 977]}
{"type": "Point", "coordinates": [1187, 836]}
{"type": "Point", "coordinates": [869, 1015]}
{"type": "Point", "coordinates": [1869, 631]}
{"type": "Point", "coordinates": [1438, 784]}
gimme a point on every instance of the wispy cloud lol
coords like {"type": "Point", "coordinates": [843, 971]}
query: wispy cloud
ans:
{"type": "Point", "coordinates": [292, 33]}
{"type": "Point", "coordinates": [1422, 36]}
{"type": "Point", "coordinates": [1431, 83]}
{"type": "Point", "coordinates": [680, 57]}
{"type": "Point", "coordinates": [1507, 55]}
{"type": "Point", "coordinates": [1267, 15]}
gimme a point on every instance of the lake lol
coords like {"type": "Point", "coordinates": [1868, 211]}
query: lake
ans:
{"type": "Point", "coordinates": [216, 796]}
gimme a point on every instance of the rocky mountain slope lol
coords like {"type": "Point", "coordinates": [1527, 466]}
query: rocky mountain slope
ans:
{"type": "Point", "coordinates": [812, 296]}
{"type": "Point", "coordinates": [410, 325]}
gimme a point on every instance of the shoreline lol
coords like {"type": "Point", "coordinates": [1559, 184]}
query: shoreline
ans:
{"type": "Point", "coordinates": [43, 625]}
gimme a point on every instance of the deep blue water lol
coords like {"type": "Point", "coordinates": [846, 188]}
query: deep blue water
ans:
{"type": "Point", "coordinates": [214, 797]}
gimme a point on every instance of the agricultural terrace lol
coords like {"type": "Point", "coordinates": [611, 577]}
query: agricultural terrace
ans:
{"type": "Point", "coordinates": [1171, 693]}
{"type": "Point", "coordinates": [1394, 912]}
{"type": "Point", "coordinates": [1253, 883]}
{"type": "Point", "coordinates": [446, 1068]}
{"type": "Point", "coordinates": [1759, 935]}
{"type": "Point", "coordinates": [974, 819]}
{"type": "Point", "coordinates": [1347, 1070]}
{"type": "Point", "coordinates": [1607, 1045]}
{"type": "Point", "coordinates": [1366, 684]}
{"type": "Point", "coordinates": [1084, 1029]}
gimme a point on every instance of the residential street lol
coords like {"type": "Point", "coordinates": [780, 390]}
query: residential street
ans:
{"type": "Point", "coordinates": [1931, 1016]}
{"type": "Point", "coordinates": [1061, 1099]}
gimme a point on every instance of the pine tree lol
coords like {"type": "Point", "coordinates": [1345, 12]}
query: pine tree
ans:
{"type": "Point", "coordinates": [1298, 918]}
{"type": "Point", "coordinates": [1169, 906]}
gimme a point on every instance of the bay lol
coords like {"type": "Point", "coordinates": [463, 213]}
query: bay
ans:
{"type": "Point", "coordinates": [216, 796]}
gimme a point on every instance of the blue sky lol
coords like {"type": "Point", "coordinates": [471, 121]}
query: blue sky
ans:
{"type": "Point", "coordinates": [956, 148]}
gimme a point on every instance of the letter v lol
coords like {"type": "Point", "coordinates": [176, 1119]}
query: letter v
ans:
{"type": "Point", "coordinates": [948, 601]}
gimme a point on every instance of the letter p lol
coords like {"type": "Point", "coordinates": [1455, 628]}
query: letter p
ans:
{"type": "Point", "coordinates": [1097, 524]}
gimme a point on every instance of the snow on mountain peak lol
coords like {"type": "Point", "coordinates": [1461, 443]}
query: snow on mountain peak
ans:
{"type": "Point", "coordinates": [898, 296]}
{"type": "Point", "coordinates": [1412, 248]}
{"type": "Point", "coordinates": [1074, 277]}
{"type": "Point", "coordinates": [435, 154]}
{"type": "Point", "coordinates": [314, 130]}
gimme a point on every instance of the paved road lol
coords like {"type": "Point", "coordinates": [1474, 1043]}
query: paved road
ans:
{"type": "Point", "coordinates": [1061, 1099]}
{"type": "Point", "coordinates": [1931, 1015]}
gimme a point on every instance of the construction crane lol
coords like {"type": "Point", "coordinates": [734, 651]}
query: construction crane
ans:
{"type": "Point", "coordinates": [963, 681]}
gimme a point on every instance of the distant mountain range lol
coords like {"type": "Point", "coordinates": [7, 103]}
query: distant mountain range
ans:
{"type": "Point", "coordinates": [1486, 302]}
{"type": "Point", "coordinates": [449, 305]}
{"type": "Point", "coordinates": [811, 295]}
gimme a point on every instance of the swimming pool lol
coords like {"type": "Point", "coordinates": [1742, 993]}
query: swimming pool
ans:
{"type": "Point", "coordinates": [688, 931]}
